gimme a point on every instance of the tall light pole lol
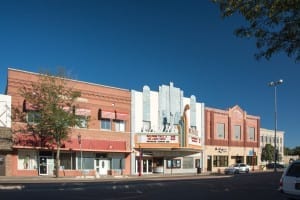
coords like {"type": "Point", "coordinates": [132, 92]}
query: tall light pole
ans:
{"type": "Point", "coordinates": [275, 84]}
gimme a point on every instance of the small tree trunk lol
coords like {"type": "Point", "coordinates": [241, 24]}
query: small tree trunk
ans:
{"type": "Point", "coordinates": [57, 161]}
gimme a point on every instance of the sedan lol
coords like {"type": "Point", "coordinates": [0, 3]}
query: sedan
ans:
{"type": "Point", "coordinates": [237, 168]}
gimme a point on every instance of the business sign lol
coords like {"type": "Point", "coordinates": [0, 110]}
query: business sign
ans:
{"type": "Point", "coordinates": [194, 140]}
{"type": "Point", "coordinates": [168, 139]}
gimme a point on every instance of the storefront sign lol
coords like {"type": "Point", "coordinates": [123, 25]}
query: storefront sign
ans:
{"type": "Point", "coordinates": [221, 149]}
{"type": "Point", "coordinates": [158, 139]}
{"type": "Point", "coordinates": [194, 140]}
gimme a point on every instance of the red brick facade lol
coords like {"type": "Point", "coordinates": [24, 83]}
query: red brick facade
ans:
{"type": "Point", "coordinates": [231, 117]}
{"type": "Point", "coordinates": [94, 98]}
{"type": "Point", "coordinates": [228, 139]}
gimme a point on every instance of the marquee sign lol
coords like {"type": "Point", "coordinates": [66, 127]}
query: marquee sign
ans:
{"type": "Point", "coordinates": [159, 139]}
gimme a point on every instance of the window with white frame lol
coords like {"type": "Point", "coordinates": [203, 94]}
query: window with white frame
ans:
{"type": "Point", "coordinates": [237, 132]}
{"type": "Point", "coordinates": [105, 124]}
{"type": "Point", "coordinates": [251, 133]}
{"type": "Point", "coordinates": [146, 126]}
{"type": "Point", "coordinates": [221, 131]}
{"type": "Point", "coordinates": [119, 125]}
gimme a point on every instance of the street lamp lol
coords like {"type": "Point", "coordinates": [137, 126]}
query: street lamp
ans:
{"type": "Point", "coordinates": [79, 142]}
{"type": "Point", "coordinates": [140, 160]}
{"type": "Point", "coordinates": [275, 84]}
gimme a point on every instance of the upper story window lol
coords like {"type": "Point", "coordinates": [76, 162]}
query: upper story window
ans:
{"type": "Point", "coordinates": [33, 117]}
{"type": "Point", "coordinates": [221, 131]}
{"type": "Point", "coordinates": [251, 133]}
{"type": "Point", "coordinates": [237, 132]}
{"type": "Point", "coordinates": [105, 124]}
{"type": "Point", "coordinates": [83, 121]}
{"type": "Point", "coordinates": [146, 126]}
{"type": "Point", "coordinates": [105, 118]}
{"type": "Point", "coordinates": [119, 125]}
{"type": "Point", "coordinates": [193, 130]}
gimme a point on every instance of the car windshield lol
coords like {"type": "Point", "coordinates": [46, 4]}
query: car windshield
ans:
{"type": "Point", "coordinates": [294, 170]}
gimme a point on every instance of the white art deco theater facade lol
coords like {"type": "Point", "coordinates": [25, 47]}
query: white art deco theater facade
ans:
{"type": "Point", "coordinates": [167, 131]}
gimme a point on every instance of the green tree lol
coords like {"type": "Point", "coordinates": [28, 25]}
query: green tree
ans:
{"type": "Point", "coordinates": [288, 151]}
{"type": "Point", "coordinates": [267, 153]}
{"type": "Point", "coordinates": [296, 150]}
{"type": "Point", "coordinates": [53, 101]}
{"type": "Point", "coordinates": [274, 23]}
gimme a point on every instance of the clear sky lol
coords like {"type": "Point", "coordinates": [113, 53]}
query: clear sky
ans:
{"type": "Point", "coordinates": [132, 43]}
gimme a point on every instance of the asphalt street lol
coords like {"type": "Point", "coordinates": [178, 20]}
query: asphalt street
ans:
{"type": "Point", "coordinates": [242, 186]}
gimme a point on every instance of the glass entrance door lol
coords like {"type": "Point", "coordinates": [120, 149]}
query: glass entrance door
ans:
{"type": "Point", "coordinates": [147, 166]}
{"type": "Point", "coordinates": [102, 166]}
{"type": "Point", "coordinates": [43, 167]}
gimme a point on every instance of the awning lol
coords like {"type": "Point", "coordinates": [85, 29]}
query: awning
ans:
{"type": "Point", "coordinates": [107, 114]}
{"type": "Point", "coordinates": [28, 106]}
{"type": "Point", "coordinates": [78, 111]}
{"type": "Point", "coordinates": [82, 112]}
{"type": "Point", "coordinates": [122, 116]}
{"type": "Point", "coordinates": [97, 145]}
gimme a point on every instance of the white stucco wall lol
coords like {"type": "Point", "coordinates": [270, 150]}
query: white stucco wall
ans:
{"type": "Point", "coordinates": [5, 111]}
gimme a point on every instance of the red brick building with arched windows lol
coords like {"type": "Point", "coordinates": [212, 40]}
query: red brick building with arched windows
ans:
{"type": "Point", "coordinates": [101, 146]}
{"type": "Point", "coordinates": [231, 136]}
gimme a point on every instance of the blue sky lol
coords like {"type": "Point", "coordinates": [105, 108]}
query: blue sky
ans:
{"type": "Point", "coordinates": [132, 43]}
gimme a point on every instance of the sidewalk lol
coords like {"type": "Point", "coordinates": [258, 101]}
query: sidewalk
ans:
{"type": "Point", "coordinates": [10, 180]}
{"type": "Point", "coordinates": [7, 180]}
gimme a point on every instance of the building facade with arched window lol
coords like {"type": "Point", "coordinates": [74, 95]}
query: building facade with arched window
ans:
{"type": "Point", "coordinates": [167, 131]}
{"type": "Point", "coordinates": [231, 136]}
{"type": "Point", "coordinates": [99, 146]}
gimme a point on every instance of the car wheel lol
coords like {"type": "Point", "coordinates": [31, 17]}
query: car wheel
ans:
{"type": "Point", "coordinates": [247, 171]}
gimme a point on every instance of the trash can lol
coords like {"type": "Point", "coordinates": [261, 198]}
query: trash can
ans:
{"type": "Point", "coordinates": [198, 170]}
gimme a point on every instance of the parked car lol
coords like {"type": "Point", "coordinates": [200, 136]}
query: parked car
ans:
{"type": "Point", "coordinates": [237, 168]}
{"type": "Point", "coordinates": [271, 166]}
{"type": "Point", "coordinates": [290, 181]}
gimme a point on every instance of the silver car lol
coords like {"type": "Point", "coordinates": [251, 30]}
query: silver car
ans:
{"type": "Point", "coordinates": [290, 181]}
{"type": "Point", "coordinates": [237, 168]}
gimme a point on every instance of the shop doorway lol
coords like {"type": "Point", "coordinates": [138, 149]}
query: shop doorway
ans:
{"type": "Point", "coordinates": [209, 163]}
{"type": "Point", "coordinates": [2, 165]}
{"type": "Point", "coordinates": [46, 163]}
{"type": "Point", "coordinates": [158, 165]}
{"type": "Point", "coordinates": [102, 166]}
{"type": "Point", "coordinates": [43, 167]}
{"type": "Point", "coordinates": [147, 166]}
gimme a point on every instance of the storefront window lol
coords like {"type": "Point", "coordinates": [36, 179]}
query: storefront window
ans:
{"type": "Point", "coordinates": [220, 161]}
{"type": "Point", "coordinates": [27, 160]}
{"type": "Point", "coordinates": [68, 160]}
{"type": "Point", "coordinates": [188, 163]}
{"type": "Point", "coordinates": [87, 160]}
{"type": "Point", "coordinates": [118, 163]}
{"type": "Point", "coordinates": [251, 160]}
{"type": "Point", "coordinates": [175, 163]}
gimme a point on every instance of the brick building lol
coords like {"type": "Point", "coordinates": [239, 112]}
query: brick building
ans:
{"type": "Point", "coordinates": [101, 146]}
{"type": "Point", "coordinates": [231, 136]}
